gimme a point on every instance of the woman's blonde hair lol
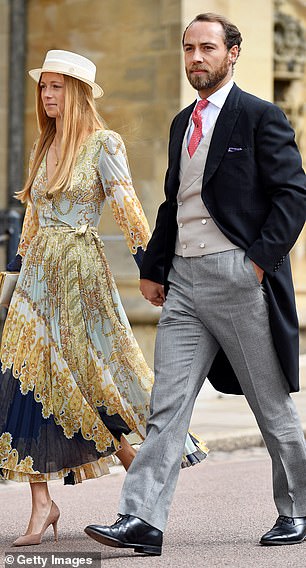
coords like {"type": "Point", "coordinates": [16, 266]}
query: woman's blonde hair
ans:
{"type": "Point", "coordinates": [80, 119]}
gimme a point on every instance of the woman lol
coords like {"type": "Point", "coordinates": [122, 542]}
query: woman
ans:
{"type": "Point", "coordinates": [74, 387]}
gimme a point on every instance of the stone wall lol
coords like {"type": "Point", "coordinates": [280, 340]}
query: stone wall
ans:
{"type": "Point", "coordinates": [136, 45]}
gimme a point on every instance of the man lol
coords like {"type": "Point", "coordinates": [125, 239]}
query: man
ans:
{"type": "Point", "coordinates": [235, 205]}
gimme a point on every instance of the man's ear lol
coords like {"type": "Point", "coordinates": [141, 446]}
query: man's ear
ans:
{"type": "Point", "coordinates": [233, 54]}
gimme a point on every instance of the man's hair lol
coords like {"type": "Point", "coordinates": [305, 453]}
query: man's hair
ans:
{"type": "Point", "coordinates": [232, 35]}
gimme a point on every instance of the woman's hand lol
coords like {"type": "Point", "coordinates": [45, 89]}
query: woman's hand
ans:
{"type": "Point", "coordinates": [152, 291]}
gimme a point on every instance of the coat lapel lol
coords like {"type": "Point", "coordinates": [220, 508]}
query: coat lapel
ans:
{"type": "Point", "coordinates": [177, 134]}
{"type": "Point", "coordinates": [219, 142]}
{"type": "Point", "coordinates": [222, 132]}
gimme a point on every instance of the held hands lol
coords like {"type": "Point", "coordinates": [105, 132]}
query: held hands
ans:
{"type": "Point", "coordinates": [259, 271]}
{"type": "Point", "coordinates": [152, 291]}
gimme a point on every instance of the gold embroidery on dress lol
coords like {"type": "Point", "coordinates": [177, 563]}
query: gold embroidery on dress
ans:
{"type": "Point", "coordinates": [66, 336]}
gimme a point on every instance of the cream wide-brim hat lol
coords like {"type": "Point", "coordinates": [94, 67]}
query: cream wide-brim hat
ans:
{"type": "Point", "coordinates": [72, 64]}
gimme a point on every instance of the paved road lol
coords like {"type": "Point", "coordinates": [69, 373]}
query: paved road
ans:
{"type": "Point", "coordinates": [220, 510]}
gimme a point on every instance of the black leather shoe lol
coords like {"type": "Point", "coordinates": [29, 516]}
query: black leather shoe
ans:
{"type": "Point", "coordinates": [287, 530]}
{"type": "Point", "coordinates": [129, 532]}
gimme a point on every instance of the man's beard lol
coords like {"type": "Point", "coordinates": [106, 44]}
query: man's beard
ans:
{"type": "Point", "coordinates": [210, 79]}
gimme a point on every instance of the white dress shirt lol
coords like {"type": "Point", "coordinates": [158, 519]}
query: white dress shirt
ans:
{"type": "Point", "coordinates": [210, 113]}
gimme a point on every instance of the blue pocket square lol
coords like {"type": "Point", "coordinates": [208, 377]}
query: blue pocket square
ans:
{"type": "Point", "coordinates": [234, 149]}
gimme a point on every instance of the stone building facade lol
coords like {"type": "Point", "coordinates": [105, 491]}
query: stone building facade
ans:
{"type": "Point", "coordinates": [136, 45]}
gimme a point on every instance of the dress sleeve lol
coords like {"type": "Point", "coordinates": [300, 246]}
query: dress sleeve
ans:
{"type": "Point", "coordinates": [120, 194]}
{"type": "Point", "coordinates": [29, 229]}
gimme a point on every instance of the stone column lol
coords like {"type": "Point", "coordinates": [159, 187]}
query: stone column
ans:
{"type": "Point", "coordinates": [289, 94]}
{"type": "Point", "coordinates": [16, 111]}
{"type": "Point", "coordinates": [4, 49]}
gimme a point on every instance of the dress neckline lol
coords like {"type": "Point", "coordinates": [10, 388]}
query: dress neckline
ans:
{"type": "Point", "coordinates": [44, 160]}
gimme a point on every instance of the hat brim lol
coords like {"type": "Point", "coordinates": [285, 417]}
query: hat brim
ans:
{"type": "Point", "coordinates": [96, 89]}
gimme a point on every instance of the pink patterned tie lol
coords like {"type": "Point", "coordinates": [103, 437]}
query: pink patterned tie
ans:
{"type": "Point", "coordinates": [197, 132]}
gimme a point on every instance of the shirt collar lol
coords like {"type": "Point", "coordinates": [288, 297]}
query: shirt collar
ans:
{"type": "Point", "coordinates": [219, 97]}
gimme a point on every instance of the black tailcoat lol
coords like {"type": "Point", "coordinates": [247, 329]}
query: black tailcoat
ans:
{"type": "Point", "coordinates": [257, 197]}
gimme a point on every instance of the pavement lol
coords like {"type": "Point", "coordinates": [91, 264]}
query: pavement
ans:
{"type": "Point", "coordinates": [220, 510]}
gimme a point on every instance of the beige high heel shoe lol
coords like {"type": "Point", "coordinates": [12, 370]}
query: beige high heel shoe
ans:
{"type": "Point", "coordinates": [52, 519]}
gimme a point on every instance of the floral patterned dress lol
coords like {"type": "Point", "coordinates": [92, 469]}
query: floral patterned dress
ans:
{"type": "Point", "coordinates": [73, 378]}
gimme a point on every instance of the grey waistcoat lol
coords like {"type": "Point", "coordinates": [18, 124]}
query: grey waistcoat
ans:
{"type": "Point", "coordinates": [197, 232]}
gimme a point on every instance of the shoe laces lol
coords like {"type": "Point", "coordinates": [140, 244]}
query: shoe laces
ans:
{"type": "Point", "coordinates": [287, 520]}
{"type": "Point", "coordinates": [120, 518]}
